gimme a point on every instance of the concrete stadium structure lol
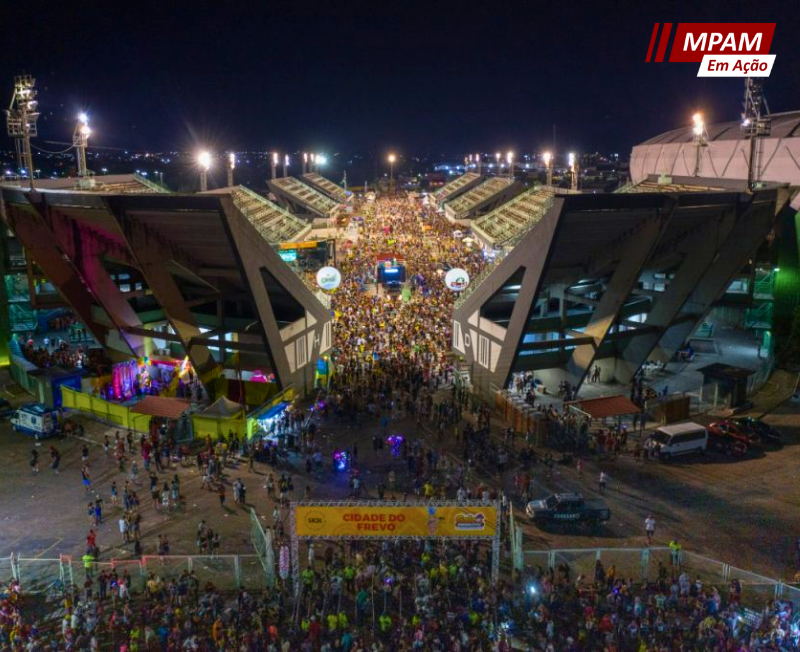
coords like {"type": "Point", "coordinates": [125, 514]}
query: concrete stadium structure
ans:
{"type": "Point", "coordinates": [304, 200]}
{"type": "Point", "coordinates": [620, 278]}
{"type": "Point", "coordinates": [198, 274]}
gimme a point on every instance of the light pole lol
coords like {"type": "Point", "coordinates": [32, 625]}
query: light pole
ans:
{"type": "Point", "coordinates": [285, 163]}
{"type": "Point", "coordinates": [80, 139]}
{"type": "Point", "coordinates": [510, 159]}
{"type": "Point", "coordinates": [305, 162]}
{"type": "Point", "coordinates": [699, 131]}
{"type": "Point", "coordinates": [231, 165]}
{"type": "Point", "coordinates": [392, 159]}
{"type": "Point", "coordinates": [497, 158]}
{"type": "Point", "coordinates": [274, 163]}
{"type": "Point", "coordinates": [313, 158]}
{"type": "Point", "coordinates": [573, 167]}
{"type": "Point", "coordinates": [548, 168]}
{"type": "Point", "coordinates": [204, 162]}
{"type": "Point", "coordinates": [478, 162]}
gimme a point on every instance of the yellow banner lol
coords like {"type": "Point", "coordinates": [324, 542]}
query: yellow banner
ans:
{"type": "Point", "coordinates": [388, 521]}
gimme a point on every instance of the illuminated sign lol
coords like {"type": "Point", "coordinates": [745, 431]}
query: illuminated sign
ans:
{"type": "Point", "coordinates": [288, 255]}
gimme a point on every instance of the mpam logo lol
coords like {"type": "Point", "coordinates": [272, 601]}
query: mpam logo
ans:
{"type": "Point", "coordinates": [723, 49]}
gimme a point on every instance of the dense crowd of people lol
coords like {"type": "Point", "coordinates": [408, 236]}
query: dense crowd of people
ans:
{"type": "Point", "coordinates": [391, 365]}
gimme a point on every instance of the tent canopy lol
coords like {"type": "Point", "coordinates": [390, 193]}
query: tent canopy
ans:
{"type": "Point", "coordinates": [159, 406]}
{"type": "Point", "coordinates": [222, 408]}
{"type": "Point", "coordinates": [606, 406]}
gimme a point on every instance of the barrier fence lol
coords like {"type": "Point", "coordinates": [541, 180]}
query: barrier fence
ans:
{"type": "Point", "coordinates": [225, 572]}
{"type": "Point", "coordinates": [643, 564]}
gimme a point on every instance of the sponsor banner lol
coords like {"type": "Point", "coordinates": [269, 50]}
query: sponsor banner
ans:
{"type": "Point", "coordinates": [388, 521]}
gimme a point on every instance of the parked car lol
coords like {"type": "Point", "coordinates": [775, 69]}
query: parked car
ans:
{"type": "Point", "coordinates": [727, 440]}
{"type": "Point", "coordinates": [769, 435]}
{"type": "Point", "coordinates": [730, 427]}
{"type": "Point", "coordinates": [678, 439]}
{"type": "Point", "coordinates": [567, 508]}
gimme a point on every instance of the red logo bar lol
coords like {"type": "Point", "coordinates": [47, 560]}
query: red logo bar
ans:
{"type": "Point", "coordinates": [652, 41]}
{"type": "Point", "coordinates": [694, 40]}
{"type": "Point", "coordinates": [662, 43]}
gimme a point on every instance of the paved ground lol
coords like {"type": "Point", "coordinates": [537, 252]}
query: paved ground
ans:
{"type": "Point", "coordinates": [744, 512]}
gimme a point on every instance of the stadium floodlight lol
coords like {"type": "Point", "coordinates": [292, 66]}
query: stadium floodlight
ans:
{"type": "Point", "coordinates": [305, 162]}
{"type": "Point", "coordinates": [698, 124]}
{"type": "Point", "coordinates": [285, 163]}
{"type": "Point", "coordinates": [510, 160]}
{"type": "Point", "coordinates": [204, 162]}
{"type": "Point", "coordinates": [80, 139]}
{"type": "Point", "coordinates": [547, 157]}
{"type": "Point", "coordinates": [392, 159]}
{"type": "Point", "coordinates": [321, 159]}
{"type": "Point", "coordinates": [571, 159]}
{"type": "Point", "coordinates": [273, 164]}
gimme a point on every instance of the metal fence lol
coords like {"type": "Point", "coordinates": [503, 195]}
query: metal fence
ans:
{"type": "Point", "coordinates": [643, 564]}
{"type": "Point", "coordinates": [225, 572]}
{"type": "Point", "coordinates": [262, 542]}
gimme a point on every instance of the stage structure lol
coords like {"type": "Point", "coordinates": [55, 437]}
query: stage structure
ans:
{"type": "Point", "coordinates": [471, 520]}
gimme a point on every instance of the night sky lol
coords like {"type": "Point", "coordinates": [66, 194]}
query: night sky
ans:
{"type": "Point", "coordinates": [416, 77]}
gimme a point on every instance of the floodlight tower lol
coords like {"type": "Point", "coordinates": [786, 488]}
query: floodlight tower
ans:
{"type": "Point", "coordinates": [756, 124]}
{"type": "Point", "coordinates": [547, 157]}
{"type": "Point", "coordinates": [313, 158]}
{"type": "Point", "coordinates": [478, 162]}
{"type": "Point", "coordinates": [573, 168]}
{"type": "Point", "coordinates": [231, 166]}
{"type": "Point", "coordinates": [510, 159]}
{"type": "Point", "coordinates": [274, 164]}
{"type": "Point", "coordinates": [305, 162]}
{"type": "Point", "coordinates": [497, 158]}
{"type": "Point", "coordinates": [285, 163]}
{"type": "Point", "coordinates": [21, 117]}
{"type": "Point", "coordinates": [392, 159]}
{"type": "Point", "coordinates": [204, 163]}
{"type": "Point", "coordinates": [700, 140]}
{"type": "Point", "coordinates": [80, 139]}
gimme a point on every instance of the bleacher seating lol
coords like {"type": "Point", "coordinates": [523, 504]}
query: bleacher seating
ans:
{"type": "Point", "coordinates": [451, 189]}
{"type": "Point", "coordinates": [513, 218]}
{"type": "Point", "coordinates": [471, 198]}
{"type": "Point", "coordinates": [326, 185]}
{"type": "Point", "coordinates": [657, 186]}
{"type": "Point", "coordinates": [305, 194]}
{"type": "Point", "coordinates": [273, 222]}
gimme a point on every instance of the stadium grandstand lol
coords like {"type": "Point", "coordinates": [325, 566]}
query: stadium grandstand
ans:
{"type": "Point", "coordinates": [456, 187]}
{"type": "Point", "coordinates": [618, 279]}
{"type": "Point", "coordinates": [325, 186]}
{"type": "Point", "coordinates": [174, 279]}
{"type": "Point", "coordinates": [507, 223]}
{"type": "Point", "coordinates": [723, 152]}
{"type": "Point", "coordinates": [275, 224]}
{"type": "Point", "coordinates": [303, 200]}
{"type": "Point", "coordinates": [480, 199]}
{"type": "Point", "coordinates": [111, 183]}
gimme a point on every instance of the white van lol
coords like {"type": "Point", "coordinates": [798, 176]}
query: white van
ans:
{"type": "Point", "coordinates": [680, 439]}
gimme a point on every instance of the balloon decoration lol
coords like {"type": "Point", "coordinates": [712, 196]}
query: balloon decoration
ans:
{"type": "Point", "coordinates": [456, 279]}
{"type": "Point", "coordinates": [329, 278]}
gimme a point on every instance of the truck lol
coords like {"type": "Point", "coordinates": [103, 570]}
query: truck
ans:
{"type": "Point", "coordinates": [567, 508]}
{"type": "Point", "coordinates": [37, 420]}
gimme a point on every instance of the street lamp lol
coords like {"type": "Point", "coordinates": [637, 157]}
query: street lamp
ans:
{"type": "Point", "coordinates": [392, 159]}
{"type": "Point", "coordinates": [274, 163]}
{"type": "Point", "coordinates": [231, 165]}
{"type": "Point", "coordinates": [510, 159]}
{"type": "Point", "coordinates": [548, 168]}
{"type": "Point", "coordinates": [204, 162]}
